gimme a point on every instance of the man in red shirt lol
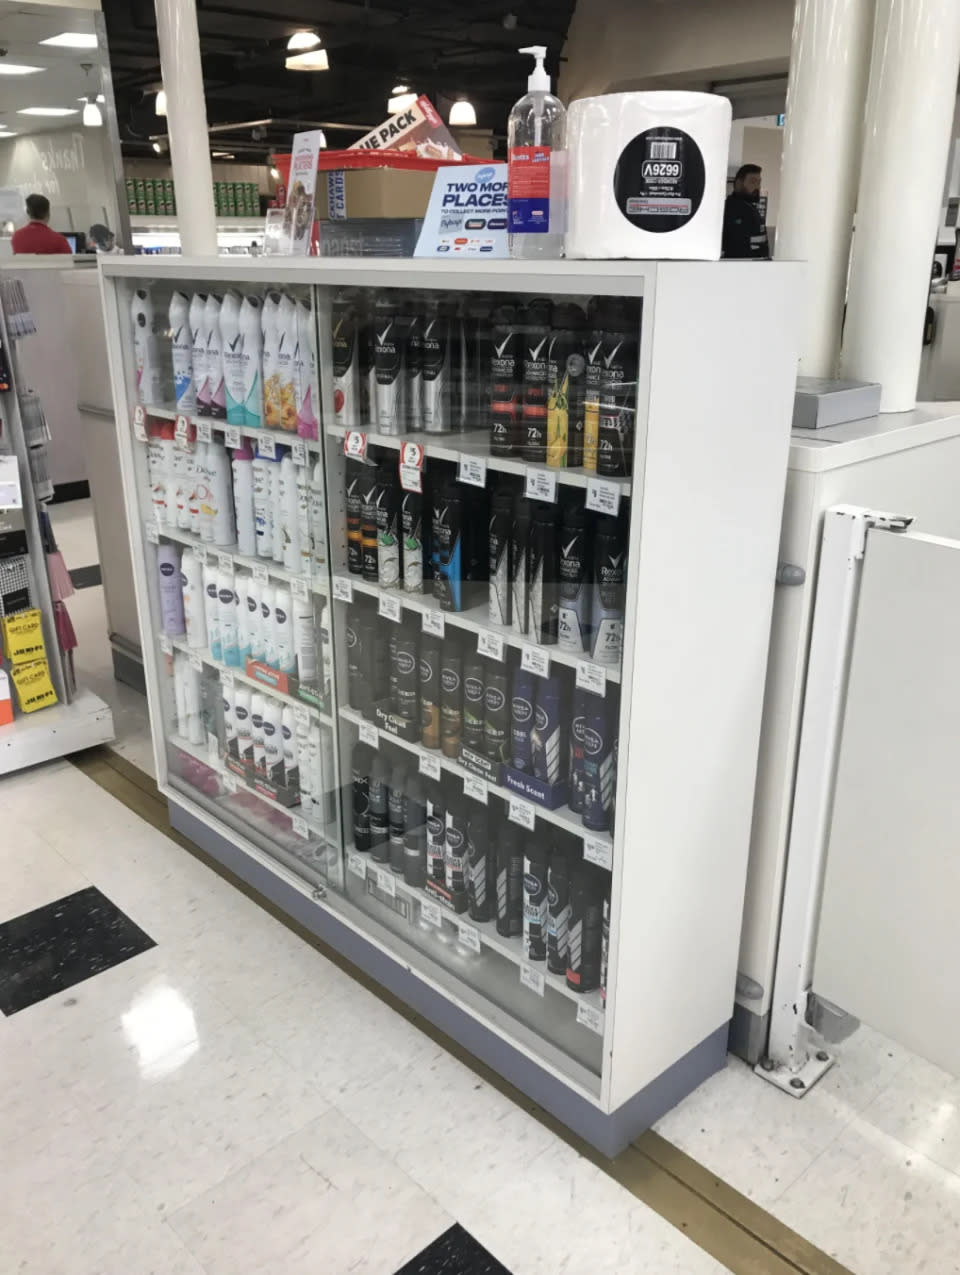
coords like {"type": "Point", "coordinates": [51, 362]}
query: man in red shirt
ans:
{"type": "Point", "coordinates": [36, 235]}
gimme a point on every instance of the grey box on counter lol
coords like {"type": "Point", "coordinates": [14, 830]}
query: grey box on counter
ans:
{"type": "Point", "coordinates": [820, 402]}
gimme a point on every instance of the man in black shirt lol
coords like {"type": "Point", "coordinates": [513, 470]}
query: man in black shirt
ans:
{"type": "Point", "coordinates": [744, 232]}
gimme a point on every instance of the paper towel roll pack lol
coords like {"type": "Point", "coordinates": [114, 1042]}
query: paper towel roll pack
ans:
{"type": "Point", "coordinates": [647, 175]}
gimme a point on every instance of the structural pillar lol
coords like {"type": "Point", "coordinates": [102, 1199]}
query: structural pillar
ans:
{"type": "Point", "coordinates": [179, 41]}
{"type": "Point", "coordinates": [829, 62]}
{"type": "Point", "coordinates": [910, 105]}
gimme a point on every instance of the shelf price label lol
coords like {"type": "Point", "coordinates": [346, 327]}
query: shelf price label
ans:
{"type": "Point", "coordinates": [153, 533]}
{"type": "Point", "coordinates": [225, 563]}
{"type": "Point", "coordinates": [300, 828]}
{"type": "Point", "coordinates": [226, 679]}
{"type": "Point", "coordinates": [468, 936]}
{"type": "Point", "coordinates": [429, 766]}
{"type": "Point", "coordinates": [195, 662]}
{"type": "Point", "coordinates": [534, 659]}
{"type": "Point", "coordinates": [389, 607]}
{"type": "Point", "coordinates": [261, 574]}
{"type": "Point", "coordinates": [522, 813]}
{"type": "Point", "coordinates": [230, 782]}
{"type": "Point", "coordinates": [298, 587]}
{"type": "Point", "coordinates": [231, 436]}
{"type": "Point", "coordinates": [301, 716]}
{"type": "Point", "coordinates": [490, 644]}
{"type": "Point", "coordinates": [342, 589]}
{"type": "Point", "coordinates": [591, 1017]}
{"type": "Point", "coordinates": [369, 734]}
{"type": "Point", "coordinates": [591, 677]}
{"type": "Point", "coordinates": [598, 850]}
{"type": "Point", "coordinates": [411, 466]}
{"type": "Point", "coordinates": [532, 978]}
{"type": "Point", "coordinates": [433, 622]}
{"type": "Point", "coordinates": [181, 431]}
{"type": "Point", "coordinates": [299, 451]}
{"type": "Point", "coordinates": [475, 787]}
{"type": "Point", "coordinates": [166, 646]}
{"type": "Point", "coordinates": [473, 470]}
{"type": "Point", "coordinates": [204, 432]}
{"type": "Point", "coordinates": [140, 423]}
{"type": "Point", "coordinates": [357, 864]}
{"type": "Point", "coordinates": [387, 883]}
{"type": "Point", "coordinates": [267, 447]}
{"type": "Point", "coordinates": [430, 914]}
{"type": "Point", "coordinates": [541, 485]}
{"type": "Point", "coordinates": [201, 552]}
{"type": "Point", "coordinates": [355, 444]}
{"type": "Point", "coordinates": [603, 497]}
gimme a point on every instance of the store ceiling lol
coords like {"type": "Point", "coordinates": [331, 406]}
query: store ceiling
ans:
{"type": "Point", "coordinates": [59, 83]}
{"type": "Point", "coordinates": [445, 50]}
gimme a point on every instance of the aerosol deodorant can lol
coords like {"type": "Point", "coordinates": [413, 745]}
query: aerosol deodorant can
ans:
{"type": "Point", "coordinates": [609, 580]}
{"type": "Point", "coordinates": [604, 945]}
{"type": "Point", "coordinates": [412, 369]}
{"type": "Point", "coordinates": [379, 796]}
{"type": "Point", "coordinates": [500, 542]}
{"type": "Point", "coordinates": [585, 929]}
{"type": "Point", "coordinates": [411, 526]}
{"type": "Point", "coordinates": [521, 720]}
{"type": "Point", "coordinates": [535, 870]}
{"type": "Point", "coordinates": [558, 913]}
{"type": "Point", "coordinates": [479, 867]}
{"type": "Point", "coordinates": [397, 816]}
{"type": "Point", "coordinates": [447, 541]}
{"type": "Point", "coordinates": [474, 693]}
{"type": "Point", "coordinates": [505, 382]}
{"type": "Point", "coordinates": [362, 764]}
{"type": "Point", "coordinates": [578, 722]}
{"type": "Point", "coordinates": [430, 691]}
{"type": "Point", "coordinates": [618, 397]}
{"type": "Point", "coordinates": [407, 664]}
{"type": "Point", "coordinates": [566, 381]}
{"type": "Point", "coordinates": [451, 697]}
{"type": "Point", "coordinates": [455, 855]}
{"type": "Point", "coordinates": [435, 366]}
{"type": "Point", "coordinates": [509, 882]}
{"type": "Point", "coordinates": [548, 745]}
{"type": "Point", "coordinates": [544, 567]}
{"type": "Point", "coordinates": [436, 807]}
{"type": "Point", "coordinates": [388, 364]}
{"type": "Point", "coordinates": [353, 499]}
{"type": "Point", "coordinates": [598, 767]}
{"type": "Point", "coordinates": [520, 563]}
{"type": "Point", "coordinates": [593, 356]}
{"type": "Point", "coordinates": [415, 835]}
{"type": "Point", "coordinates": [346, 366]}
{"type": "Point", "coordinates": [536, 334]}
{"type": "Point", "coordinates": [574, 570]}
{"type": "Point", "coordinates": [369, 500]}
{"type": "Point", "coordinates": [388, 526]}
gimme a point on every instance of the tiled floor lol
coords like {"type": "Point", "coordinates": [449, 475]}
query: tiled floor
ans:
{"type": "Point", "coordinates": [230, 1101]}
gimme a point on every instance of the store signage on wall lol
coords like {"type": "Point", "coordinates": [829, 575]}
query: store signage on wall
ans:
{"type": "Point", "coordinates": [467, 214]}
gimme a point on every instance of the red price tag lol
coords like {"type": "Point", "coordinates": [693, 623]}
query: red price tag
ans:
{"type": "Point", "coordinates": [412, 454]}
{"type": "Point", "coordinates": [355, 444]}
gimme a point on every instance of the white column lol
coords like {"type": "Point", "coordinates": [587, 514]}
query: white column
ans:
{"type": "Point", "coordinates": [829, 60]}
{"type": "Point", "coordinates": [187, 125]}
{"type": "Point", "coordinates": [910, 104]}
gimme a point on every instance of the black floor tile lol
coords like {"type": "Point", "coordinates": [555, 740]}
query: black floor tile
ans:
{"type": "Point", "coordinates": [455, 1252]}
{"type": "Point", "coordinates": [86, 577]}
{"type": "Point", "coordinates": [57, 946]}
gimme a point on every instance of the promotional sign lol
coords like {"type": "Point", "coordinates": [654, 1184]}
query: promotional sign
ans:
{"type": "Point", "coordinates": [467, 214]}
{"type": "Point", "coordinates": [298, 215]}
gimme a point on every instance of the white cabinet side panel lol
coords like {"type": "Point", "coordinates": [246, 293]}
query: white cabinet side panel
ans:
{"type": "Point", "coordinates": [721, 400]}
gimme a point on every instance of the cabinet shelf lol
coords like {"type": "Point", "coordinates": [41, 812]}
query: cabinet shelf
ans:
{"type": "Point", "coordinates": [473, 620]}
{"type": "Point", "coordinates": [361, 865]}
{"type": "Point", "coordinates": [562, 817]}
{"type": "Point", "coordinates": [274, 569]}
{"type": "Point", "coordinates": [281, 437]}
{"type": "Point", "coordinates": [203, 654]}
{"type": "Point", "coordinates": [475, 445]}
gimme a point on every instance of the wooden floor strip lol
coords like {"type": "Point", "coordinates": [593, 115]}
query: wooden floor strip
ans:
{"type": "Point", "coordinates": [726, 1224]}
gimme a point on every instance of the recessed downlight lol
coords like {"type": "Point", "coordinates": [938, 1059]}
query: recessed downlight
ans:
{"type": "Point", "coordinates": [48, 110]}
{"type": "Point", "coordinates": [72, 40]}
{"type": "Point", "coordinates": [18, 68]}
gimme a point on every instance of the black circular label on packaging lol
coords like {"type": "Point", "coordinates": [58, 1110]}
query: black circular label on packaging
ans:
{"type": "Point", "coordinates": [659, 179]}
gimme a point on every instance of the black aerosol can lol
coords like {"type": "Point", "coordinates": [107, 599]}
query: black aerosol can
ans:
{"type": "Point", "coordinates": [451, 696]}
{"type": "Point", "coordinates": [369, 501]}
{"type": "Point", "coordinates": [397, 816]}
{"type": "Point", "coordinates": [413, 366]}
{"type": "Point", "coordinates": [411, 526]}
{"type": "Point", "coordinates": [536, 863]}
{"type": "Point", "coordinates": [506, 387]}
{"type": "Point", "coordinates": [544, 575]}
{"type": "Point", "coordinates": [379, 811]}
{"type": "Point", "coordinates": [479, 870]}
{"type": "Point", "coordinates": [578, 721]}
{"type": "Point", "coordinates": [618, 396]}
{"type": "Point", "coordinates": [536, 338]}
{"type": "Point", "coordinates": [496, 719]}
{"type": "Point", "coordinates": [558, 913]}
{"type": "Point", "coordinates": [353, 499]}
{"type": "Point", "coordinates": [604, 945]}
{"type": "Point", "coordinates": [599, 771]}
{"type": "Point", "coordinates": [430, 691]}
{"type": "Point", "coordinates": [455, 857]}
{"type": "Point", "coordinates": [388, 525]}
{"type": "Point", "coordinates": [566, 382]}
{"type": "Point", "coordinates": [362, 764]}
{"type": "Point", "coordinates": [548, 745]}
{"type": "Point", "coordinates": [509, 881]}
{"type": "Point", "coordinates": [407, 665]}
{"type": "Point", "coordinates": [500, 542]}
{"type": "Point", "coordinates": [388, 357]}
{"type": "Point", "coordinates": [436, 808]}
{"type": "Point", "coordinates": [415, 835]}
{"type": "Point", "coordinates": [346, 363]}
{"type": "Point", "coordinates": [609, 582]}
{"type": "Point", "coordinates": [474, 690]}
{"type": "Point", "coordinates": [573, 620]}
{"type": "Point", "coordinates": [447, 541]}
{"type": "Point", "coordinates": [521, 720]}
{"type": "Point", "coordinates": [520, 563]}
{"type": "Point", "coordinates": [435, 364]}
{"type": "Point", "coordinates": [585, 929]}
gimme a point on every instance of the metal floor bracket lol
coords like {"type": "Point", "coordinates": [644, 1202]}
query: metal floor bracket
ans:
{"type": "Point", "coordinates": [800, 1082]}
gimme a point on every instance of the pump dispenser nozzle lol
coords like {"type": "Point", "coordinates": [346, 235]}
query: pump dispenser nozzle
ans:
{"type": "Point", "coordinates": [538, 80]}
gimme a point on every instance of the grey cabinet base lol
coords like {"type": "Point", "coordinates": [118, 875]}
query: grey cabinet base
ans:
{"type": "Point", "coordinates": [609, 1134]}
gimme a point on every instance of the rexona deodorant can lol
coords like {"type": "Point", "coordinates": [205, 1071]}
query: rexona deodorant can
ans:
{"type": "Point", "coordinates": [647, 175]}
{"type": "Point", "coordinates": [231, 344]}
{"type": "Point", "coordinates": [251, 361]}
{"type": "Point", "coordinates": [182, 342]}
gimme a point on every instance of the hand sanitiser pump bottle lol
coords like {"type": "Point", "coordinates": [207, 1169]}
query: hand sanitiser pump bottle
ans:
{"type": "Point", "coordinates": [537, 172]}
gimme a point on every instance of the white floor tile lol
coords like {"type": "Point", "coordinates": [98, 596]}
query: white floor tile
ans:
{"type": "Point", "coordinates": [877, 1207]}
{"type": "Point", "coordinates": [32, 873]}
{"type": "Point", "coordinates": [323, 1200]}
{"type": "Point", "coordinates": [920, 1107]}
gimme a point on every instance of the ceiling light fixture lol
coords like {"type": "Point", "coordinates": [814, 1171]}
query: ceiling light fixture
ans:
{"type": "Point", "coordinates": [160, 106]}
{"type": "Point", "coordinates": [222, 155]}
{"type": "Point", "coordinates": [158, 148]}
{"type": "Point", "coordinates": [72, 40]}
{"type": "Point", "coordinates": [4, 135]}
{"type": "Point", "coordinates": [47, 110]}
{"type": "Point", "coordinates": [462, 114]}
{"type": "Point", "coordinates": [275, 174]}
{"type": "Point", "coordinates": [303, 40]}
{"type": "Point", "coordinates": [18, 68]}
{"type": "Point", "coordinates": [312, 60]}
{"type": "Point", "coordinates": [402, 98]}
